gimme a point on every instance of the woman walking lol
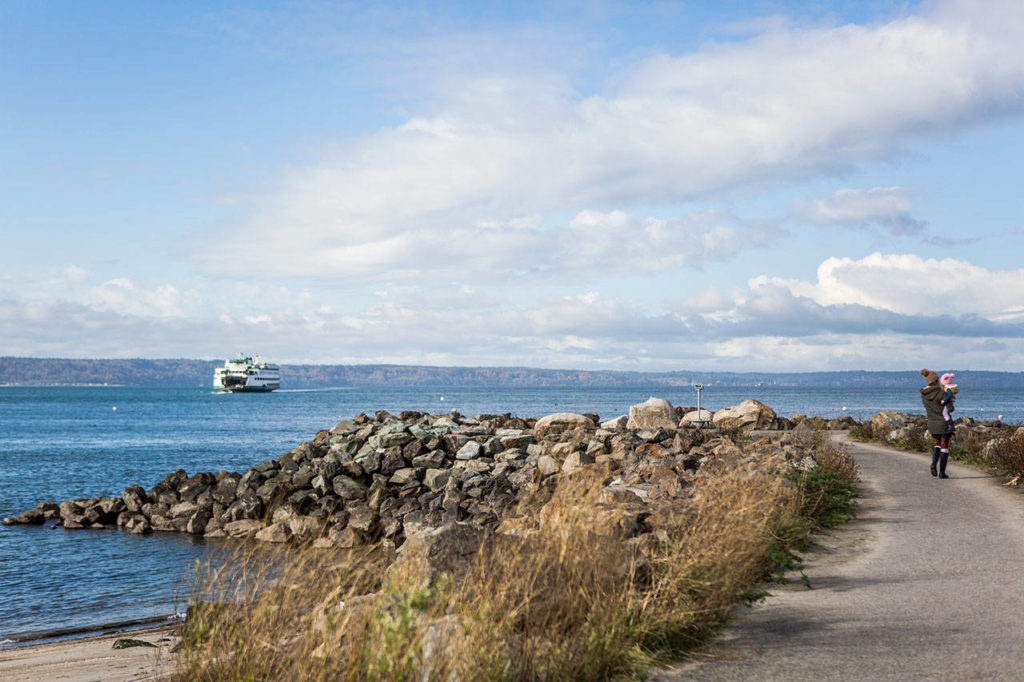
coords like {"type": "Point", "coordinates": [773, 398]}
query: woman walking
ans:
{"type": "Point", "coordinates": [932, 396]}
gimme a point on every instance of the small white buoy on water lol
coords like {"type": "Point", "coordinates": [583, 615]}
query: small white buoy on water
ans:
{"type": "Point", "coordinates": [442, 398]}
{"type": "Point", "coordinates": [844, 408]}
{"type": "Point", "coordinates": [1000, 417]}
{"type": "Point", "coordinates": [115, 408]}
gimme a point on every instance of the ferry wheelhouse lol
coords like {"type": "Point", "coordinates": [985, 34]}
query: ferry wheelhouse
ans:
{"type": "Point", "coordinates": [246, 374]}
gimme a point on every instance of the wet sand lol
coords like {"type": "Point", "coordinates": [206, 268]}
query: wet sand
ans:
{"type": "Point", "coordinates": [93, 658]}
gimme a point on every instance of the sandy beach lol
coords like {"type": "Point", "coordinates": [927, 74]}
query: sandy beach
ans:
{"type": "Point", "coordinates": [92, 659]}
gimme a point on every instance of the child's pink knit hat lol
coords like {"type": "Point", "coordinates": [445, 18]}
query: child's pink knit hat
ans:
{"type": "Point", "coordinates": [947, 380]}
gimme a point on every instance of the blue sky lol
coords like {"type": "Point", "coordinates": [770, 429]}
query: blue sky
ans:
{"type": "Point", "coordinates": [749, 186]}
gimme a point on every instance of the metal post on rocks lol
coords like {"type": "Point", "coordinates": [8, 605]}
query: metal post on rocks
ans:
{"type": "Point", "coordinates": [699, 421]}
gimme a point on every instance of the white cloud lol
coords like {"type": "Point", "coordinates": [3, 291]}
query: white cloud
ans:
{"type": "Point", "coordinates": [908, 284]}
{"type": "Point", "coordinates": [888, 207]}
{"type": "Point", "coordinates": [786, 103]}
{"type": "Point", "coordinates": [879, 351]}
{"type": "Point", "coordinates": [124, 297]}
{"type": "Point", "coordinates": [706, 302]}
{"type": "Point", "coordinates": [570, 342]}
{"type": "Point", "coordinates": [619, 243]}
{"type": "Point", "coordinates": [73, 285]}
{"type": "Point", "coordinates": [591, 244]}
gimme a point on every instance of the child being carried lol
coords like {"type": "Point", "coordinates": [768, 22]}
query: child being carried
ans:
{"type": "Point", "coordinates": [948, 398]}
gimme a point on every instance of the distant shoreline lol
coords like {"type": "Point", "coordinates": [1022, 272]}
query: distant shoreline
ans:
{"type": "Point", "coordinates": [192, 373]}
{"type": "Point", "coordinates": [68, 386]}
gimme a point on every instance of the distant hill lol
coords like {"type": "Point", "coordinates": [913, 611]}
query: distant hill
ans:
{"type": "Point", "coordinates": [187, 373]}
{"type": "Point", "coordinates": [136, 372]}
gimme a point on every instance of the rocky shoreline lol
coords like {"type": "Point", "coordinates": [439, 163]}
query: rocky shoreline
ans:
{"type": "Point", "coordinates": [380, 478]}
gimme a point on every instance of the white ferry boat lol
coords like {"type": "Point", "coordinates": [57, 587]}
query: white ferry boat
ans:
{"type": "Point", "coordinates": [247, 373]}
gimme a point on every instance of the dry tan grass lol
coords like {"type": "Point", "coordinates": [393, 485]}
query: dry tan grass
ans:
{"type": "Point", "coordinates": [564, 598]}
{"type": "Point", "coordinates": [1008, 459]}
{"type": "Point", "coordinates": [712, 556]}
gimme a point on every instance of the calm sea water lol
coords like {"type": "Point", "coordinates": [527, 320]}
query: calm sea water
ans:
{"type": "Point", "coordinates": [71, 442]}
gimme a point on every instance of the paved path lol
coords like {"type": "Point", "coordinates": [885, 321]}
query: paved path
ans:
{"type": "Point", "coordinates": [927, 583]}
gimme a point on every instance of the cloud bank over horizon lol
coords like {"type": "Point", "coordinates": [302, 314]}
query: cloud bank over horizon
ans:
{"type": "Point", "coordinates": [903, 309]}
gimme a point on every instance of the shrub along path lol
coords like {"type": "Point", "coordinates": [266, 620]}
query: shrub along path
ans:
{"type": "Point", "coordinates": [927, 583]}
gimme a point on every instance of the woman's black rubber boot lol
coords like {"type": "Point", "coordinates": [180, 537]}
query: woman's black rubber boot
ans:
{"type": "Point", "coordinates": [942, 464]}
{"type": "Point", "coordinates": [935, 460]}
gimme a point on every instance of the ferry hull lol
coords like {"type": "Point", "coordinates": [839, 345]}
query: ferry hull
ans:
{"type": "Point", "coordinates": [250, 389]}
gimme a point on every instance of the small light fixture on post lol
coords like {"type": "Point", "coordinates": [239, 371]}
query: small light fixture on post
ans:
{"type": "Point", "coordinates": [699, 421]}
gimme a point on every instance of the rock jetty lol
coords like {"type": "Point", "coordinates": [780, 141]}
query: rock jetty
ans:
{"type": "Point", "coordinates": [380, 478]}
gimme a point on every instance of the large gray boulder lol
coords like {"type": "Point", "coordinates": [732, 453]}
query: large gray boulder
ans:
{"type": "Point", "coordinates": [471, 450]}
{"type": "Point", "coordinates": [134, 497]}
{"type": "Point", "coordinates": [750, 414]}
{"type": "Point", "coordinates": [991, 448]}
{"type": "Point", "coordinates": [274, 533]}
{"type": "Point", "coordinates": [697, 416]}
{"type": "Point", "coordinates": [653, 414]}
{"type": "Point", "coordinates": [887, 421]}
{"type": "Point", "coordinates": [547, 465]}
{"type": "Point", "coordinates": [198, 522]}
{"type": "Point", "coordinates": [391, 435]}
{"type": "Point", "coordinates": [446, 549]}
{"type": "Point", "coordinates": [561, 421]}
{"type": "Point", "coordinates": [243, 528]}
{"type": "Point", "coordinates": [616, 424]}
{"type": "Point", "coordinates": [40, 514]}
{"type": "Point", "coordinates": [303, 528]}
{"type": "Point", "coordinates": [435, 479]}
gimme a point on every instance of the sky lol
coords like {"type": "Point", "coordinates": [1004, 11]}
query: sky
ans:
{"type": "Point", "coordinates": [713, 186]}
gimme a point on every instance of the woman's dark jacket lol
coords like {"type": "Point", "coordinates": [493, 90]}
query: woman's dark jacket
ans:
{"type": "Point", "coordinates": [931, 397]}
